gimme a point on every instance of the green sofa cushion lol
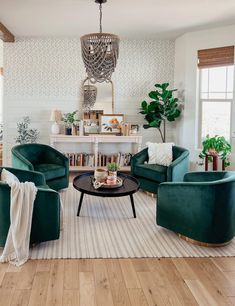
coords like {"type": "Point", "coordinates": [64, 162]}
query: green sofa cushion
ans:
{"type": "Point", "coordinates": [153, 172]}
{"type": "Point", "coordinates": [51, 171]}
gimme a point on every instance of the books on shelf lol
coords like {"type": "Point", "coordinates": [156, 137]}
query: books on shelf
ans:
{"type": "Point", "coordinates": [88, 159]}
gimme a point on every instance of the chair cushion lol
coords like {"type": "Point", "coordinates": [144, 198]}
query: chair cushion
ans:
{"type": "Point", "coordinates": [50, 171]}
{"type": "Point", "coordinates": [155, 172]}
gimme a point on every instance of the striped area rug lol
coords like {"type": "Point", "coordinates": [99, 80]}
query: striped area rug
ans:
{"type": "Point", "coordinates": [107, 229]}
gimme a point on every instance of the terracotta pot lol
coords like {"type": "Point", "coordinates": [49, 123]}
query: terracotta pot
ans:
{"type": "Point", "coordinates": [213, 152]}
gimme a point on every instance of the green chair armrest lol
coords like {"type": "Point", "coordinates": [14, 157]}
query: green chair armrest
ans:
{"type": "Point", "coordinates": [20, 161]}
{"type": "Point", "coordinates": [140, 157]}
{"type": "Point", "coordinates": [25, 175]}
{"type": "Point", "coordinates": [178, 168]}
{"type": "Point", "coordinates": [203, 176]}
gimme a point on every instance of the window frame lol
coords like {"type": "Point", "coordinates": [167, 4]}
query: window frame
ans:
{"type": "Point", "coordinates": [201, 100]}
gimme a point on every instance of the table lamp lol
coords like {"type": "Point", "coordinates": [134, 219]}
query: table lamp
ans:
{"type": "Point", "coordinates": [55, 117]}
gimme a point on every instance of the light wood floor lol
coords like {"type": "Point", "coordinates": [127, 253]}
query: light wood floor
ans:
{"type": "Point", "coordinates": [107, 282]}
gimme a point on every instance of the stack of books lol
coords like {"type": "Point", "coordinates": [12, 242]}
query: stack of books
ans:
{"type": "Point", "coordinates": [88, 160]}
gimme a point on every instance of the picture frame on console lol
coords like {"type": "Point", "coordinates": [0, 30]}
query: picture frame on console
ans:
{"type": "Point", "coordinates": [111, 123]}
{"type": "Point", "coordinates": [92, 121]}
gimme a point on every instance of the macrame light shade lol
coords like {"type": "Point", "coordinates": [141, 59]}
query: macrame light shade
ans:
{"type": "Point", "coordinates": [90, 94]}
{"type": "Point", "coordinates": [100, 53]}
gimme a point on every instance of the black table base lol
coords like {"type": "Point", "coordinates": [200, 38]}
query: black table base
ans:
{"type": "Point", "coordinates": [81, 200]}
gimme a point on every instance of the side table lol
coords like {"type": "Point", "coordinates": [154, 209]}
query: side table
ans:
{"type": "Point", "coordinates": [215, 159]}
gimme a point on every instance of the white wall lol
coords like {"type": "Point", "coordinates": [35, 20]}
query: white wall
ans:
{"type": "Point", "coordinates": [186, 77]}
{"type": "Point", "coordinates": [1, 53]}
{"type": "Point", "coordinates": [1, 79]}
{"type": "Point", "coordinates": [43, 74]}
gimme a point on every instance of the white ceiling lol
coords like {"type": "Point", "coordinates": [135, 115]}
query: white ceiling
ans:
{"type": "Point", "coordinates": [128, 18]}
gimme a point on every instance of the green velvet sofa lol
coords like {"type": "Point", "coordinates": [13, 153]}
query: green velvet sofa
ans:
{"type": "Point", "coordinates": [45, 159]}
{"type": "Point", "coordinates": [46, 212]}
{"type": "Point", "coordinates": [150, 176]}
{"type": "Point", "coordinates": [202, 208]}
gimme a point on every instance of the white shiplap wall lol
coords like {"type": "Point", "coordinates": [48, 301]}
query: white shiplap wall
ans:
{"type": "Point", "coordinates": [43, 74]}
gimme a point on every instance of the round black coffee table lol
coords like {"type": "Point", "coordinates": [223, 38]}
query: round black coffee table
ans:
{"type": "Point", "coordinates": [83, 183]}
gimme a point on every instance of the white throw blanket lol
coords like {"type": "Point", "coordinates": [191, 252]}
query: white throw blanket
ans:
{"type": "Point", "coordinates": [16, 249]}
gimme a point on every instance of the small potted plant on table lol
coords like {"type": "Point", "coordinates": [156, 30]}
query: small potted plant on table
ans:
{"type": "Point", "coordinates": [112, 173]}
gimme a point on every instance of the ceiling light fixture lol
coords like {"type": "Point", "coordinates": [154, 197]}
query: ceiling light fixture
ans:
{"type": "Point", "coordinates": [100, 53]}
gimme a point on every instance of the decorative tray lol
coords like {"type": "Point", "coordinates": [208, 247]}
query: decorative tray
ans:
{"type": "Point", "coordinates": [97, 185]}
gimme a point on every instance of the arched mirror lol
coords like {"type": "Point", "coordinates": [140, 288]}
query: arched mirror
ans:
{"type": "Point", "coordinates": [98, 96]}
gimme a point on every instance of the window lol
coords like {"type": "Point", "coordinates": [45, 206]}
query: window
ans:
{"type": "Point", "coordinates": [216, 95]}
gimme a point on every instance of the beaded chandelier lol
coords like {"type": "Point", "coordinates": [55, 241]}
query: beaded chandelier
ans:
{"type": "Point", "coordinates": [90, 93]}
{"type": "Point", "coordinates": [100, 53]}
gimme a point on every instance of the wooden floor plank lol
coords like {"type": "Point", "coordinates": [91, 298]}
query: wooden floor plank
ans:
{"type": "Point", "coordinates": [117, 283]}
{"type": "Point", "coordinates": [10, 280]}
{"type": "Point", "coordinates": [225, 264]}
{"type": "Point", "coordinates": [129, 274]}
{"type": "Point", "coordinates": [38, 294]}
{"type": "Point", "coordinates": [56, 282]}
{"type": "Point", "coordinates": [6, 296]}
{"type": "Point", "coordinates": [71, 276]}
{"type": "Point", "coordinates": [20, 297]}
{"type": "Point", "coordinates": [71, 298]}
{"type": "Point", "coordinates": [102, 287]}
{"type": "Point", "coordinates": [171, 293]}
{"type": "Point", "coordinates": [206, 280]}
{"type": "Point", "coordinates": [137, 297]}
{"type": "Point", "coordinates": [85, 265]}
{"type": "Point", "coordinates": [87, 289]}
{"type": "Point", "coordinates": [202, 296]}
{"type": "Point", "coordinates": [140, 264]}
{"type": "Point", "coordinates": [26, 275]}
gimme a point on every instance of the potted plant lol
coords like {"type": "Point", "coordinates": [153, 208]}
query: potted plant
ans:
{"type": "Point", "coordinates": [69, 119]}
{"type": "Point", "coordinates": [163, 107]}
{"type": "Point", "coordinates": [25, 133]}
{"type": "Point", "coordinates": [112, 169]}
{"type": "Point", "coordinates": [216, 145]}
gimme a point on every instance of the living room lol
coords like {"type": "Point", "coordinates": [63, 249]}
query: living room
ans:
{"type": "Point", "coordinates": [107, 244]}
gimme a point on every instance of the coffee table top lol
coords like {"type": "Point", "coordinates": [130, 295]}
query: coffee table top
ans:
{"type": "Point", "coordinates": [84, 184]}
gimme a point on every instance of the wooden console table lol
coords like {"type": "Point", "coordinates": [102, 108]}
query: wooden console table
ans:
{"type": "Point", "coordinates": [97, 141]}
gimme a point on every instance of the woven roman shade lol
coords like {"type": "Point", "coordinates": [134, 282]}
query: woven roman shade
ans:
{"type": "Point", "coordinates": [216, 57]}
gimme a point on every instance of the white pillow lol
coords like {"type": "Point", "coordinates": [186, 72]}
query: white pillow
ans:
{"type": "Point", "coordinates": [8, 177]}
{"type": "Point", "coordinates": [160, 153]}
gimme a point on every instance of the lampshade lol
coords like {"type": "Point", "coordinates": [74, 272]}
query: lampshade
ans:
{"type": "Point", "coordinates": [56, 115]}
{"type": "Point", "coordinates": [100, 53]}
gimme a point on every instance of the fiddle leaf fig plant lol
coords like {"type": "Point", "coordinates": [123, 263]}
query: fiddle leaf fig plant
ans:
{"type": "Point", "coordinates": [216, 145]}
{"type": "Point", "coordinates": [163, 107]}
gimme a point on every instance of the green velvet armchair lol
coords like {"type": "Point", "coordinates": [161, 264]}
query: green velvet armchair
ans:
{"type": "Point", "coordinates": [46, 212]}
{"type": "Point", "coordinates": [201, 208]}
{"type": "Point", "coordinates": [150, 176]}
{"type": "Point", "coordinates": [45, 159]}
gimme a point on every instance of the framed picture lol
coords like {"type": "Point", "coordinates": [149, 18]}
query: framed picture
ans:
{"type": "Point", "coordinates": [134, 129]}
{"type": "Point", "coordinates": [111, 124]}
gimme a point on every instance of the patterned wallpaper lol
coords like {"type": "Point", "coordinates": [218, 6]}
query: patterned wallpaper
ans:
{"type": "Point", "coordinates": [43, 74]}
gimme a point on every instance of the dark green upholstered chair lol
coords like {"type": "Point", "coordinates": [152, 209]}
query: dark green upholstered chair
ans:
{"type": "Point", "coordinates": [45, 159]}
{"type": "Point", "coordinates": [201, 208]}
{"type": "Point", "coordinates": [46, 212]}
{"type": "Point", "coordinates": [150, 176]}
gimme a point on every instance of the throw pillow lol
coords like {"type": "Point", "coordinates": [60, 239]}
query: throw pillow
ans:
{"type": "Point", "coordinates": [8, 177]}
{"type": "Point", "coordinates": [160, 153]}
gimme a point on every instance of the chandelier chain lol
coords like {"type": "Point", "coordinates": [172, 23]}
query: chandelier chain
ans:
{"type": "Point", "coordinates": [101, 17]}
